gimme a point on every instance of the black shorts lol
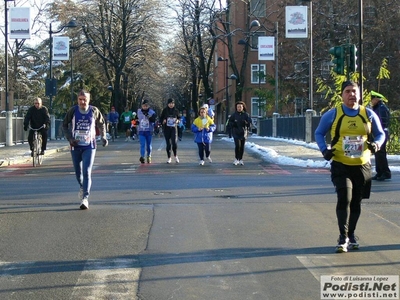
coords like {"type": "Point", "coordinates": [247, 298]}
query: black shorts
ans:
{"type": "Point", "coordinates": [355, 177]}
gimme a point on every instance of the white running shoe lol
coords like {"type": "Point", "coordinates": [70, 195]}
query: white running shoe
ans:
{"type": "Point", "coordinates": [80, 194]}
{"type": "Point", "coordinates": [236, 162]}
{"type": "Point", "coordinates": [84, 203]}
{"type": "Point", "coordinates": [177, 159]}
{"type": "Point", "coordinates": [209, 159]}
{"type": "Point", "coordinates": [169, 160]}
{"type": "Point", "coordinates": [201, 163]}
{"type": "Point", "coordinates": [241, 162]}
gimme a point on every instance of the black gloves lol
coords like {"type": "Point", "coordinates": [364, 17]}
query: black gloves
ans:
{"type": "Point", "coordinates": [328, 154]}
{"type": "Point", "coordinates": [25, 128]}
{"type": "Point", "coordinates": [73, 142]}
{"type": "Point", "coordinates": [373, 147]}
{"type": "Point", "coordinates": [104, 141]}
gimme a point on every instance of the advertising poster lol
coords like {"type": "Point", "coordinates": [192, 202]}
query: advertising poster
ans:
{"type": "Point", "coordinates": [20, 22]}
{"type": "Point", "coordinates": [266, 48]}
{"type": "Point", "coordinates": [296, 22]}
{"type": "Point", "coordinates": [60, 48]}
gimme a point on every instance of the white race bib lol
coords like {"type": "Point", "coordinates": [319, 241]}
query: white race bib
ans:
{"type": "Point", "coordinates": [353, 146]}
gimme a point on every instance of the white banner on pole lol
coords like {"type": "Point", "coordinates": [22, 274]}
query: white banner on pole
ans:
{"type": "Point", "coordinates": [266, 48]}
{"type": "Point", "coordinates": [60, 48]}
{"type": "Point", "coordinates": [20, 22]}
{"type": "Point", "coordinates": [297, 22]}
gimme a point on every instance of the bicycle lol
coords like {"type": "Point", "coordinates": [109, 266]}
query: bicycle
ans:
{"type": "Point", "coordinates": [37, 158]}
{"type": "Point", "coordinates": [113, 131]}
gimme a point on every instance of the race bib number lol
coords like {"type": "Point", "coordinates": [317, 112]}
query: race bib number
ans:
{"type": "Point", "coordinates": [127, 118]}
{"type": "Point", "coordinates": [144, 123]}
{"type": "Point", "coordinates": [171, 122]}
{"type": "Point", "coordinates": [83, 137]}
{"type": "Point", "coordinates": [353, 146]}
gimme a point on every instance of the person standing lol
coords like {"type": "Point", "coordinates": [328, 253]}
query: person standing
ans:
{"type": "Point", "coordinates": [203, 127]}
{"type": "Point", "coordinates": [146, 117]}
{"type": "Point", "coordinates": [170, 119]}
{"type": "Point", "coordinates": [126, 118]}
{"type": "Point", "coordinates": [79, 127]}
{"type": "Point", "coordinates": [381, 163]}
{"type": "Point", "coordinates": [238, 127]}
{"type": "Point", "coordinates": [351, 127]}
{"type": "Point", "coordinates": [36, 117]}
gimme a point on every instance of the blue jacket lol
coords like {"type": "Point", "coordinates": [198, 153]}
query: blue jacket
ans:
{"type": "Point", "coordinates": [201, 134]}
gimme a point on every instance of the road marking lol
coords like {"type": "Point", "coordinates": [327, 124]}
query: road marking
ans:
{"type": "Point", "coordinates": [107, 279]}
{"type": "Point", "coordinates": [275, 170]}
{"type": "Point", "coordinates": [100, 278]}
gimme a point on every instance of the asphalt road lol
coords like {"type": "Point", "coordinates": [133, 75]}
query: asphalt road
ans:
{"type": "Point", "coordinates": [183, 231]}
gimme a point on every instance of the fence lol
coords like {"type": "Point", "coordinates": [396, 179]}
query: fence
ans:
{"type": "Point", "coordinates": [300, 128]}
{"type": "Point", "coordinates": [18, 133]}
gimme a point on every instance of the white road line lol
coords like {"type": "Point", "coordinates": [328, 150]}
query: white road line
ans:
{"type": "Point", "coordinates": [107, 279]}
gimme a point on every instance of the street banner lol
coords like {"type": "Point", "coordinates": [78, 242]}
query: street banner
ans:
{"type": "Point", "coordinates": [296, 22]}
{"type": "Point", "coordinates": [20, 22]}
{"type": "Point", "coordinates": [266, 48]}
{"type": "Point", "coordinates": [60, 48]}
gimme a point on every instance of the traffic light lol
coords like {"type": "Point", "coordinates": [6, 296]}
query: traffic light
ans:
{"type": "Point", "coordinates": [338, 53]}
{"type": "Point", "coordinates": [353, 58]}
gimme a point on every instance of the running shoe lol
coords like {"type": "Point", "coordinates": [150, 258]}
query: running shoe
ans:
{"type": "Point", "coordinates": [169, 160]}
{"type": "Point", "coordinates": [353, 244]}
{"type": "Point", "coordinates": [141, 159]}
{"type": "Point", "coordinates": [235, 162]}
{"type": "Point", "coordinates": [342, 245]}
{"type": "Point", "coordinates": [149, 159]}
{"type": "Point", "coordinates": [241, 162]}
{"type": "Point", "coordinates": [84, 203]}
{"type": "Point", "coordinates": [177, 159]}
{"type": "Point", "coordinates": [201, 163]}
{"type": "Point", "coordinates": [209, 159]}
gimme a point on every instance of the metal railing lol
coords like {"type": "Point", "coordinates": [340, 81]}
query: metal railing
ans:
{"type": "Point", "coordinates": [18, 133]}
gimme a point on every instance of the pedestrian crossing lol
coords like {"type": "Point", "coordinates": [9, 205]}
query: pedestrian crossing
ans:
{"type": "Point", "coordinates": [115, 278]}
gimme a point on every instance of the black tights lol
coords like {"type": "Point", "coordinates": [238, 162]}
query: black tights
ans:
{"type": "Point", "coordinates": [239, 148]}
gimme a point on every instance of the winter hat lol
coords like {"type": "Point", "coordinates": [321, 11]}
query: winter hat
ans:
{"type": "Point", "coordinates": [170, 101]}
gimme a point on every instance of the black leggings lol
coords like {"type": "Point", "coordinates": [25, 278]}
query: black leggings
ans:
{"type": "Point", "coordinates": [170, 140]}
{"type": "Point", "coordinates": [352, 184]}
{"type": "Point", "coordinates": [239, 148]}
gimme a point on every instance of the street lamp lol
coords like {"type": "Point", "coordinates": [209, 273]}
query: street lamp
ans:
{"type": "Point", "coordinates": [51, 83]}
{"type": "Point", "coordinates": [225, 60]}
{"type": "Point", "coordinates": [256, 23]}
{"type": "Point", "coordinates": [72, 49]}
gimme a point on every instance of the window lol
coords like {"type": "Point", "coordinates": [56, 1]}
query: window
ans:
{"type": "Point", "coordinates": [257, 107]}
{"type": "Point", "coordinates": [258, 71]}
{"type": "Point", "coordinates": [257, 8]}
{"type": "Point", "coordinates": [254, 39]}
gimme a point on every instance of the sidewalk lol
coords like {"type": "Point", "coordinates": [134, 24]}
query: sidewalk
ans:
{"type": "Point", "coordinates": [20, 153]}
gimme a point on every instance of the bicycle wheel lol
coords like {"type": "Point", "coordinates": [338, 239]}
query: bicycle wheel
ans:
{"type": "Point", "coordinates": [40, 157]}
{"type": "Point", "coordinates": [35, 153]}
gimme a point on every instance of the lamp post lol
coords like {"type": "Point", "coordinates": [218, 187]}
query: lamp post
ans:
{"type": "Point", "coordinates": [9, 134]}
{"type": "Point", "coordinates": [72, 49]}
{"type": "Point", "coordinates": [256, 23]}
{"type": "Point", "coordinates": [226, 86]}
{"type": "Point", "coordinates": [51, 83]}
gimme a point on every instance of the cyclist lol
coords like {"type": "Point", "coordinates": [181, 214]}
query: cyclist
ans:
{"type": "Point", "coordinates": [112, 119]}
{"type": "Point", "coordinates": [126, 118]}
{"type": "Point", "coordinates": [36, 117]}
